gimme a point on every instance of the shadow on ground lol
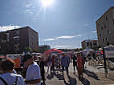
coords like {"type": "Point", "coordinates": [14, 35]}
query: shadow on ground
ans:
{"type": "Point", "coordinates": [72, 80]}
{"type": "Point", "coordinates": [85, 81]}
{"type": "Point", "coordinates": [60, 76]}
{"type": "Point", "coordinates": [91, 74]}
{"type": "Point", "coordinates": [50, 76]}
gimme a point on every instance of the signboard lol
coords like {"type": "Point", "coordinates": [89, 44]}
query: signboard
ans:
{"type": "Point", "coordinates": [13, 56]}
{"type": "Point", "coordinates": [16, 58]}
{"type": "Point", "coordinates": [109, 52]}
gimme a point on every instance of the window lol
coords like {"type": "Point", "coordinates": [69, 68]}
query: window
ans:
{"type": "Point", "coordinates": [4, 37]}
{"type": "Point", "coordinates": [101, 28]}
{"type": "Point", "coordinates": [87, 43]}
{"type": "Point", "coordinates": [106, 18]}
{"type": "Point", "coordinates": [32, 43]}
{"type": "Point", "coordinates": [103, 40]}
{"type": "Point", "coordinates": [106, 39]}
{"type": "Point", "coordinates": [104, 26]}
{"type": "Point", "coordinates": [16, 47]}
{"type": "Point", "coordinates": [108, 31]}
{"type": "Point", "coordinates": [113, 21]}
{"type": "Point", "coordinates": [100, 35]}
{"type": "Point", "coordinates": [17, 32]}
{"type": "Point", "coordinates": [95, 44]}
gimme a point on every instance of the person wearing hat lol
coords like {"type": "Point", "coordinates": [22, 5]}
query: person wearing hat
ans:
{"type": "Point", "coordinates": [33, 75]}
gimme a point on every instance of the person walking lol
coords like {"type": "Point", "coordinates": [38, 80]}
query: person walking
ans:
{"type": "Point", "coordinates": [74, 62]}
{"type": "Point", "coordinates": [80, 65]}
{"type": "Point", "coordinates": [56, 63]}
{"type": "Point", "coordinates": [33, 75]}
{"type": "Point", "coordinates": [7, 77]}
{"type": "Point", "coordinates": [53, 63]}
{"type": "Point", "coordinates": [41, 64]}
{"type": "Point", "coordinates": [49, 64]}
{"type": "Point", "coordinates": [65, 61]}
{"type": "Point", "coordinates": [59, 58]}
{"type": "Point", "coordinates": [84, 60]}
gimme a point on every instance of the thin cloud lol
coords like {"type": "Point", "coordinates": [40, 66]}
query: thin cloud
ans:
{"type": "Point", "coordinates": [29, 5]}
{"type": "Point", "coordinates": [68, 37]}
{"type": "Point", "coordinates": [61, 37]}
{"type": "Point", "coordinates": [78, 35]}
{"type": "Point", "coordinates": [49, 39]}
{"type": "Point", "coordinates": [31, 12]}
{"type": "Point", "coordinates": [34, 18]}
{"type": "Point", "coordinates": [28, 11]}
{"type": "Point", "coordinates": [62, 46]}
{"type": "Point", "coordinates": [59, 46]}
{"type": "Point", "coordinates": [94, 31]}
{"type": "Point", "coordinates": [29, 8]}
{"type": "Point", "coordinates": [9, 27]}
{"type": "Point", "coordinates": [65, 37]}
{"type": "Point", "coordinates": [86, 25]}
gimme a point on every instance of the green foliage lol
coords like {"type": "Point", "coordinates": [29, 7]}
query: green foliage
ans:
{"type": "Point", "coordinates": [28, 49]}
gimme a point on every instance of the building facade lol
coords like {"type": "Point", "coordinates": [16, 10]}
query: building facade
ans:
{"type": "Point", "coordinates": [105, 28]}
{"type": "Point", "coordinates": [43, 48]}
{"type": "Point", "coordinates": [89, 43]}
{"type": "Point", "coordinates": [18, 40]}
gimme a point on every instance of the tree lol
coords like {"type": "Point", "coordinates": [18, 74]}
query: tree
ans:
{"type": "Point", "coordinates": [27, 49]}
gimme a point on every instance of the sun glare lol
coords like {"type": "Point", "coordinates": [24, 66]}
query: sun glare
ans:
{"type": "Point", "coordinates": [47, 3]}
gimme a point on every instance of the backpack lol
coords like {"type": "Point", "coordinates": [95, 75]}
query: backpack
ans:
{"type": "Point", "coordinates": [15, 83]}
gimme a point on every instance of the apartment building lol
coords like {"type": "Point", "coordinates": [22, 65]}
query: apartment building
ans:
{"type": "Point", "coordinates": [17, 40]}
{"type": "Point", "coordinates": [105, 28]}
{"type": "Point", "coordinates": [89, 43]}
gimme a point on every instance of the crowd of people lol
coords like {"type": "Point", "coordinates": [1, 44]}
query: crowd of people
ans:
{"type": "Point", "coordinates": [33, 71]}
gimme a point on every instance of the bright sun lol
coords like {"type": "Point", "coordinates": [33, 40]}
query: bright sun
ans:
{"type": "Point", "coordinates": [47, 3]}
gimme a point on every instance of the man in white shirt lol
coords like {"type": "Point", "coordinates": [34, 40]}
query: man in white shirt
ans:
{"type": "Point", "coordinates": [33, 75]}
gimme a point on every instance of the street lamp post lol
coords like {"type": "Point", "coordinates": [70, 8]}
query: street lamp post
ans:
{"type": "Point", "coordinates": [104, 58]}
{"type": "Point", "coordinates": [105, 65]}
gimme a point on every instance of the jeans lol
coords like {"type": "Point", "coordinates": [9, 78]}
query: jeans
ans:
{"type": "Point", "coordinates": [66, 68]}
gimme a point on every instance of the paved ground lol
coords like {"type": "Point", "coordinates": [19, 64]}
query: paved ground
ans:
{"type": "Point", "coordinates": [92, 76]}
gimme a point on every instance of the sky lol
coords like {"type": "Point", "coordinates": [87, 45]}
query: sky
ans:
{"type": "Point", "coordinates": [62, 24]}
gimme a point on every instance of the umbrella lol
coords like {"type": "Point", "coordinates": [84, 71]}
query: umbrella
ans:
{"type": "Point", "coordinates": [48, 52]}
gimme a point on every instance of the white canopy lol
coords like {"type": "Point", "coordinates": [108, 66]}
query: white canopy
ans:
{"type": "Point", "coordinates": [87, 51]}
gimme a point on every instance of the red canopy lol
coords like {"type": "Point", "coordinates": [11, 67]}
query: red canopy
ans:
{"type": "Point", "coordinates": [48, 52]}
{"type": "Point", "coordinates": [2, 56]}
